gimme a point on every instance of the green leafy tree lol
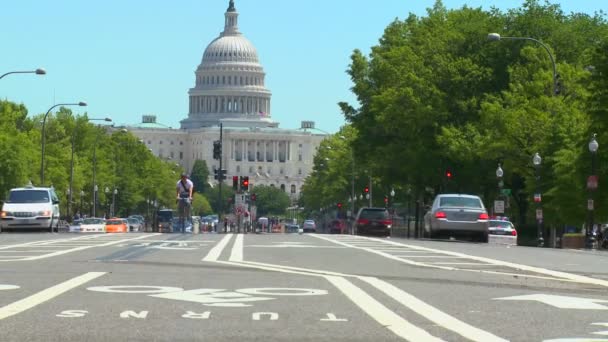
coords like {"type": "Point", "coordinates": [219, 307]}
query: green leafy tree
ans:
{"type": "Point", "coordinates": [200, 205]}
{"type": "Point", "coordinates": [212, 196]}
{"type": "Point", "coordinates": [270, 200]}
{"type": "Point", "coordinates": [200, 175]}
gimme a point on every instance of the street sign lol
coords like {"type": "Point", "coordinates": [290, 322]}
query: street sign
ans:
{"type": "Point", "coordinates": [592, 182]}
{"type": "Point", "coordinates": [589, 204]}
{"type": "Point", "coordinates": [537, 198]}
{"type": "Point", "coordinates": [506, 192]}
{"type": "Point", "coordinates": [499, 207]}
{"type": "Point", "coordinates": [539, 214]}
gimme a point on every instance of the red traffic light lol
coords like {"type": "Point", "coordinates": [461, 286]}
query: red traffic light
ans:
{"type": "Point", "coordinates": [366, 190]}
{"type": "Point", "coordinates": [339, 205]}
{"type": "Point", "coordinates": [448, 174]}
{"type": "Point", "coordinates": [385, 199]}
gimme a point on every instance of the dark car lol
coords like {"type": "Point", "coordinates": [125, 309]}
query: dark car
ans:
{"type": "Point", "coordinates": [164, 218]}
{"type": "Point", "coordinates": [373, 221]}
{"type": "Point", "coordinates": [337, 227]}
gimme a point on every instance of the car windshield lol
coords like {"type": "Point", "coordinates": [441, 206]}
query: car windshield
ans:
{"type": "Point", "coordinates": [460, 202]}
{"type": "Point", "coordinates": [133, 220]}
{"type": "Point", "coordinates": [92, 221]}
{"type": "Point", "coordinates": [29, 196]}
{"type": "Point", "coordinates": [114, 222]}
{"type": "Point", "coordinates": [500, 224]}
{"type": "Point", "coordinates": [374, 214]}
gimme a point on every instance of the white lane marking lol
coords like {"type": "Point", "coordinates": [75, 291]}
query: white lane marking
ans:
{"type": "Point", "coordinates": [47, 294]}
{"type": "Point", "coordinates": [379, 312]}
{"type": "Point", "coordinates": [237, 250]}
{"type": "Point", "coordinates": [333, 318]}
{"type": "Point", "coordinates": [216, 251]}
{"type": "Point", "coordinates": [562, 302]}
{"type": "Point", "coordinates": [30, 251]}
{"type": "Point", "coordinates": [44, 256]}
{"type": "Point", "coordinates": [431, 313]}
{"type": "Point", "coordinates": [293, 246]}
{"type": "Point", "coordinates": [272, 316]}
{"type": "Point", "coordinates": [460, 263]}
{"type": "Point", "coordinates": [310, 272]}
{"type": "Point", "coordinates": [552, 275]}
{"type": "Point", "coordinates": [37, 243]}
{"type": "Point", "coordinates": [432, 256]}
{"type": "Point", "coordinates": [8, 287]}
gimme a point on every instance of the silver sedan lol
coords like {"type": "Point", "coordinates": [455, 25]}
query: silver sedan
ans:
{"type": "Point", "coordinates": [457, 214]}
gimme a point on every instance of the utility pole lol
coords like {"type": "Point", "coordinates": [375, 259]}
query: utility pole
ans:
{"type": "Point", "coordinates": [221, 175]}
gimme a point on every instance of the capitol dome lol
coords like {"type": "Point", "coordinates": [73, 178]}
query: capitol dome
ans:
{"type": "Point", "coordinates": [230, 49]}
{"type": "Point", "coordinates": [230, 82]}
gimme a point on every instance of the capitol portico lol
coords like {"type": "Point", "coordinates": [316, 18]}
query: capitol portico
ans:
{"type": "Point", "coordinates": [230, 90]}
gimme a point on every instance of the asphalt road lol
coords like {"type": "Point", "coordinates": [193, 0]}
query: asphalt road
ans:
{"type": "Point", "coordinates": [274, 287]}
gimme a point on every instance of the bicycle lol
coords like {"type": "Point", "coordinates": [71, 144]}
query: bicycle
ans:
{"type": "Point", "coordinates": [183, 209]}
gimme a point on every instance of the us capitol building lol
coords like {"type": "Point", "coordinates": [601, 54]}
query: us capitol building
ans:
{"type": "Point", "coordinates": [230, 89]}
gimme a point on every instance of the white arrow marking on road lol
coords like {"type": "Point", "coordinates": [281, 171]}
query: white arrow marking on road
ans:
{"type": "Point", "coordinates": [603, 333]}
{"type": "Point", "coordinates": [212, 297]}
{"type": "Point", "coordinates": [332, 318]}
{"type": "Point", "coordinates": [563, 302]}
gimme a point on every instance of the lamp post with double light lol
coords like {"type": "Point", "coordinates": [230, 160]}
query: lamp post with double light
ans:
{"type": "Point", "coordinates": [591, 186]}
{"type": "Point", "coordinates": [536, 161]}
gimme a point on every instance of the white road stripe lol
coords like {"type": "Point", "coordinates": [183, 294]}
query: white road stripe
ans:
{"type": "Point", "coordinates": [549, 274]}
{"type": "Point", "coordinates": [49, 255]}
{"type": "Point", "coordinates": [237, 250]}
{"type": "Point", "coordinates": [460, 263]}
{"type": "Point", "coordinates": [381, 313]}
{"type": "Point", "coordinates": [433, 314]}
{"type": "Point", "coordinates": [216, 251]}
{"type": "Point", "coordinates": [47, 294]}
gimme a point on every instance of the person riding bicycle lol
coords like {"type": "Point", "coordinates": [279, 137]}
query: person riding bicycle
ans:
{"type": "Point", "coordinates": [184, 198]}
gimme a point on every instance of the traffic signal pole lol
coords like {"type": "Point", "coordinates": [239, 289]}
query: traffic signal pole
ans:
{"type": "Point", "coordinates": [221, 177]}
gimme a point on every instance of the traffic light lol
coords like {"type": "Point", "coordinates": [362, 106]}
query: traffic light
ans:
{"type": "Point", "coordinates": [253, 197]}
{"type": "Point", "coordinates": [558, 84]}
{"type": "Point", "coordinates": [339, 205]}
{"type": "Point", "coordinates": [217, 150]}
{"type": "Point", "coordinates": [220, 175]}
{"type": "Point", "coordinates": [386, 201]}
{"type": "Point", "coordinates": [366, 190]}
{"type": "Point", "coordinates": [235, 183]}
{"type": "Point", "coordinates": [245, 183]}
{"type": "Point", "coordinates": [449, 174]}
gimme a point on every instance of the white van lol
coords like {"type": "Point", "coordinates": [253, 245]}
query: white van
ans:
{"type": "Point", "coordinates": [30, 207]}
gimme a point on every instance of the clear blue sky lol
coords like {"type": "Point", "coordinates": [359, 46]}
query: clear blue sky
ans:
{"type": "Point", "coordinates": [129, 58]}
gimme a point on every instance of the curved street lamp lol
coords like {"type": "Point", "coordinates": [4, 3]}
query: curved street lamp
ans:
{"type": "Point", "coordinates": [81, 104]}
{"type": "Point", "coordinates": [497, 37]}
{"type": "Point", "coordinates": [499, 171]}
{"type": "Point", "coordinates": [38, 71]}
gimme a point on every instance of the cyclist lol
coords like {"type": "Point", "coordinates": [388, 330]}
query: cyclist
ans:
{"type": "Point", "coordinates": [184, 198]}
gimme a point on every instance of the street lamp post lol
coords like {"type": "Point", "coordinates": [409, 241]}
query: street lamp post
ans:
{"type": "Point", "coordinates": [94, 205]}
{"type": "Point", "coordinates": [593, 146]}
{"type": "Point", "coordinates": [113, 211]}
{"type": "Point", "coordinates": [81, 203]}
{"type": "Point", "coordinates": [107, 191]}
{"type": "Point", "coordinates": [499, 175]}
{"type": "Point", "coordinates": [72, 162]}
{"type": "Point", "coordinates": [38, 71]}
{"type": "Point", "coordinates": [537, 160]}
{"type": "Point", "coordinates": [43, 141]}
{"type": "Point", "coordinates": [497, 37]}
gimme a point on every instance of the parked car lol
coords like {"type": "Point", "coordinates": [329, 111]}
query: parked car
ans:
{"type": "Point", "coordinates": [373, 221]}
{"type": "Point", "coordinates": [30, 207]}
{"type": "Point", "coordinates": [117, 225]}
{"type": "Point", "coordinates": [93, 225]}
{"type": "Point", "coordinates": [457, 214]}
{"type": "Point", "coordinates": [309, 226]}
{"type": "Point", "coordinates": [75, 226]}
{"type": "Point", "coordinates": [135, 225]}
{"type": "Point", "coordinates": [501, 227]}
{"type": "Point", "coordinates": [292, 228]}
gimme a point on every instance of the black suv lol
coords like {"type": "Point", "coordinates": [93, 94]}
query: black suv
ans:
{"type": "Point", "coordinates": [373, 221]}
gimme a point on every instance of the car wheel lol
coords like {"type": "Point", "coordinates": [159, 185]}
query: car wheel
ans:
{"type": "Point", "coordinates": [484, 238]}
